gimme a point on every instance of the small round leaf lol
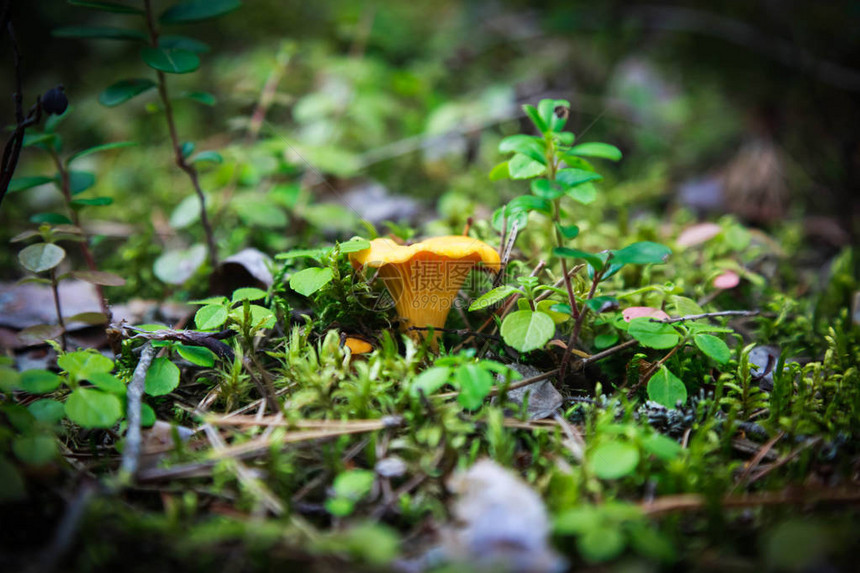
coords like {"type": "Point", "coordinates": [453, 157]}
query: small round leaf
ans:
{"type": "Point", "coordinates": [171, 61]}
{"type": "Point", "coordinates": [93, 408]}
{"type": "Point", "coordinates": [613, 460]}
{"type": "Point", "coordinates": [41, 257]}
{"type": "Point", "coordinates": [162, 377]}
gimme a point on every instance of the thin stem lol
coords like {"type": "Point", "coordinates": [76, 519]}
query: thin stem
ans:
{"type": "Point", "coordinates": [177, 146]}
{"type": "Point", "coordinates": [66, 189]}
{"type": "Point", "coordinates": [56, 291]}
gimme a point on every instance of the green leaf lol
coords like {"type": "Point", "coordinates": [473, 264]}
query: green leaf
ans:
{"type": "Point", "coordinates": [613, 460]}
{"type": "Point", "coordinates": [713, 347]}
{"type": "Point", "coordinates": [535, 117]}
{"type": "Point", "coordinates": [528, 203]}
{"type": "Point", "coordinates": [82, 364]}
{"type": "Point", "coordinates": [475, 384]}
{"type": "Point", "coordinates": [605, 340]}
{"type": "Point", "coordinates": [197, 10]}
{"type": "Point", "coordinates": [247, 293]}
{"type": "Point", "coordinates": [492, 297]}
{"type": "Point", "coordinates": [115, 7]}
{"type": "Point", "coordinates": [35, 449]}
{"type": "Point", "coordinates": [208, 156]}
{"type": "Point", "coordinates": [124, 90]}
{"type": "Point", "coordinates": [47, 411]}
{"type": "Point", "coordinates": [260, 210]}
{"type": "Point", "coordinates": [596, 149]}
{"type": "Point", "coordinates": [430, 381]}
{"type": "Point", "coordinates": [24, 183]}
{"type": "Point", "coordinates": [171, 61]}
{"type": "Point", "coordinates": [79, 181]}
{"type": "Point", "coordinates": [568, 231]}
{"type": "Point", "coordinates": [98, 148]}
{"type": "Point", "coordinates": [186, 212]}
{"type": "Point", "coordinates": [50, 218]}
{"type": "Point", "coordinates": [500, 171]}
{"type": "Point", "coordinates": [176, 267]}
{"type": "Point", "coordinates": [641, 253]}
{"type": "Point", "coordinates": [162, 377]}
{"type": "Point", "coordinates": [571, 177]}
{"type": "Point", "coordinates": [41, 257]}
{"type": "Point", "coordinates": [93, 408]}
{"type": "Point", "coordinates": [600, 304]}
{"type": "Point", "coordinates": [102, 278]}
{"type": "Point", "coordinates": [524, 167]}
{"type": "Point", "coordinates": [91, 202]}
{"type": "Point", "coordinates": [526, 330]}
{"type": "Point", "coordinates": [528, 145]}
{"type": "Point", "coordinates": [308, 281]}
{"type": "Point", "coordinates": [197, 355]}
{"type": "Point", "coordinates": [354, 245]}
{"type": "Point", "coordinates": [42, 140]}
{"type": "Point", "coordinates": [547, 111]}
{"type": "Point", "coordinates": [147, 415]}
{"type": "Point", "coordinates": [210, 317]}
{"type": "Point", "coordinates": [177, 42]}
{"type": "Point", "coordinates": [664, 448]}
{"type": "Point", "coordinates": [39, 381]}
{"type": "Point", "coordinates": [601, 543]}
{"type": "Point", "coordinates": [98, 33]}
{"type": "Point", "coordinates": [653, 334]}
{"type": "Point", "coordinates": [204, 98]}
{"type": "Point", "coordinates": [578, 520]}
{"type": "Point", "coordinates": [107, 382]}
{"type": "Point", "coordinates": [666, 389]}
{"type": "Point", "coordinates": [546, 189]}
{"type": "Point", "coordinates": [260, 316]}
{"type": "Point", "coordinates": [584, 193]}
{"type": "Point", "coordinates": [568, 253]}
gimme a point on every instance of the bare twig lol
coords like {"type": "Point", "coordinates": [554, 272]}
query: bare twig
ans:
{"type": "Point", "coordinates": [133, 436]}
{"type": "Point", "coordinates": [210, 340]}
{"type": "Point", "coordinates": [695, 501]}
{"type": "Point", "coordinates": [709, 315]}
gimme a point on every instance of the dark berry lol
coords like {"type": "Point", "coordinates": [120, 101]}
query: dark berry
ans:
{"type": "Point", "coordinates": [54, 101]}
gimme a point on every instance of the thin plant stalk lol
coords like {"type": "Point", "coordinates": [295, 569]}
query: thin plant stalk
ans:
{"type": "Point", "coordinates": [65, 188]}
{"type": "Point", "coordinates": [56, 292]}
{"type": "Point", "coordinates": [179, 158]}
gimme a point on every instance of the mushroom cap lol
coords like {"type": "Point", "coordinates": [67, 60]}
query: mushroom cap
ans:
{"type": "Point", "coordinates": [454, 247]}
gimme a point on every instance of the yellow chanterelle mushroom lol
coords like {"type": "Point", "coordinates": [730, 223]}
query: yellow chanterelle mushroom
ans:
{"type": "Point", "coordinates": [424, 278]}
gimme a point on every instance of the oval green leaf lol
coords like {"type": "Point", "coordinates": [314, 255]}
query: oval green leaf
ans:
{"type": "Point", "coordinates": [666, 389]}
{"type": "Point", "coordinates": [641, 253]}
{"type": "Point", "coordinates": [653, 334]}
{"type": "Point", "coordinates": [162, 377]}
{"type": "Point", "coordinates": [39, 381]}
{"type": "Point", "coordinates": [41, 257]}
{"type": "Point", "coordinates": [308, 281]}
{"type": "Point", "coordinates": [713, 347]}
{"type": "Point", "coordinates": [197, 10]}
{"type": "Point", "coordinates": [93, 408]}
{"type": "Point", "coordinates": [596, 149]}
{"type": "Point", "coordinates": [101, 6]}
{"type": "Point", "coordinates": [210, 317]}
{"type": "Point", "coordinates": [526, 330]}
{"type": "Point", "coordinates": [171, 61]}
{"type": "Point", "coordinates": [613, 460]}
{"type": "Point", "coordinates": [124, 90]}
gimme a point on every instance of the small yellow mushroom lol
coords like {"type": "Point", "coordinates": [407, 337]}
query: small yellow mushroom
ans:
{"type": "Point", "coordinates": [357, 345]}
{"type": "Point", "coordinates": [424, 278]}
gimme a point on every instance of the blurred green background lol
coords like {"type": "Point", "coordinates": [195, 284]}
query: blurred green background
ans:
{"type": "Point", "coordinates": [735, 107]}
